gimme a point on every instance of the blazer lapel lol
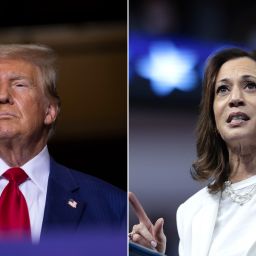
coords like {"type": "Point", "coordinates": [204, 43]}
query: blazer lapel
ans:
{"type": "Point", "coordinates": [203, 225]}
{"type": "Point", "coordinates": [63, 208]}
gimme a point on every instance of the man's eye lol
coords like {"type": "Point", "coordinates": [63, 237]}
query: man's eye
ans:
{"type": "Point", "coordinates": [19, 85]}
{"type": "Point", "coordinates": [222, 89]}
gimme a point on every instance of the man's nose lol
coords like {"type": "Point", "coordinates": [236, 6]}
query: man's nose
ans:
{"type": "Point", "coordinates": [5, 96]}
{"type": "Point", "coordinates": [236, 98]}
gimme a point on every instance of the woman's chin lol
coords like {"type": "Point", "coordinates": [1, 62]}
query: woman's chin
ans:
{"type": "Point", "coordinates": [239, 135]}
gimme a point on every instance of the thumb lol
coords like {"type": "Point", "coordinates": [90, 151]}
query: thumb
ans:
{"type": "Point", "coordinates": [159, 235]}
{"type": "Point", "coordinates": [158, 227]}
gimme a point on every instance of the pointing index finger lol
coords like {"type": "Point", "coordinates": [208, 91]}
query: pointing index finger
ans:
{"type": "Point", "coordinates": [139, 211]}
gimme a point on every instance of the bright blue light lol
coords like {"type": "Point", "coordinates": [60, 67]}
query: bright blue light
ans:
{"type": "Point", "coordinates": [168, 68]}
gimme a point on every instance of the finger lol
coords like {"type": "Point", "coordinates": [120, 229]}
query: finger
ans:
{"type": "Point", "coordinates": [140, 240]}
{"type": "Point", "coordinates": [158, 228]}
{"type": "Point", "coordinates": [139, 211]}
{"type": "Point", "coordinates": [142, 230]}
{"type": "Point", "coordinates": [159, 235]}
{"type": "Point", "coordinates": [137, 238]}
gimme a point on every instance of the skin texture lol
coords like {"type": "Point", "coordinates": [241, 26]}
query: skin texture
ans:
{"type": "Point", "coordinates": [25, 112]}
{"type": "Point", "coordinates": [235, 94]}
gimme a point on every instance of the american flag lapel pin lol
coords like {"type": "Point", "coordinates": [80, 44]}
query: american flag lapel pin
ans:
{"type": "Point", "coordinates": [72, 203]}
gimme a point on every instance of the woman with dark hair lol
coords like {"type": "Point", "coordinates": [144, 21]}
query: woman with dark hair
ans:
{"type": "Point", "coordinates": [218, 220]}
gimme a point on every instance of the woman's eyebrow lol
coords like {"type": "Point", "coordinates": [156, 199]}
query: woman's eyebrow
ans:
{"type": "Point", "coordinates": [226, 80]}
{"type": "Point", "coordinates": [244, 77]}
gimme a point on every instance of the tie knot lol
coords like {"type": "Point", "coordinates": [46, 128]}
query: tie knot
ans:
{"type": "Point", "coordinates": [16, 175]}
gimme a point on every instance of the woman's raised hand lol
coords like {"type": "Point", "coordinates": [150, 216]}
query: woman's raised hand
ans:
{"type": "Point", "coordinates": [146, 233]}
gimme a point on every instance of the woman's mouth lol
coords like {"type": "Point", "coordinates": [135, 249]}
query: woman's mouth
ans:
{"type": "Point", "coordinates": [237, 118]}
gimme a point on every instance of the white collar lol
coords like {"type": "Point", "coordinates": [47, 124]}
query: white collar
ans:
{"type": "Point", "coordinates": [244, 183]}
{"type": "Point", "coordinates": [37, 169]}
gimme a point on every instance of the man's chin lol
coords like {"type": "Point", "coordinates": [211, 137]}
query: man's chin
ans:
{"type": "Point", "coordinates": [7, 135]}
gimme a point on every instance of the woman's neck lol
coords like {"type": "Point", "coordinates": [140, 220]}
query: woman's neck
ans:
{"type": "Point", "coordinates": [242, 160]}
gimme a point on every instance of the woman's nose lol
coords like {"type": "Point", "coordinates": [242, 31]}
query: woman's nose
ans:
{"type": "Point", "coordinates": [236, 98]}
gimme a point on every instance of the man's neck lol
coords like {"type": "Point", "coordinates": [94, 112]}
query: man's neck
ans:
{"type": "Point", "coordinates": [21, 153]}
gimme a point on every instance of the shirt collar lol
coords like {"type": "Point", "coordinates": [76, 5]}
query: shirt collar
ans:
{"type": "Point", "coordinates": [37, 169]}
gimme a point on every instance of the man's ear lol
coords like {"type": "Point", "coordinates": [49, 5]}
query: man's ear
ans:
{"type": "Point", "coordinates": [51, 113]}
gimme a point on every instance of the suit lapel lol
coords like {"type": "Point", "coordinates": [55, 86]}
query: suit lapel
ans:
{"type": "Point", "coordinates": [63, 208]}
{"type": "Point", "coordinates": [203, 226]}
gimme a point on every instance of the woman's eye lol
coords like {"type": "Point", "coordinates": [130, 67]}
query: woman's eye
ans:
{"type": "Point", "coordinates": [222, 89]}
{"type": "Point", "coordinates": [250, 85]}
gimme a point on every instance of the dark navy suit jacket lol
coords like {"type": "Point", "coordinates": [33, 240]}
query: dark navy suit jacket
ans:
{"type": "Point", "coordinates": [98, 205]}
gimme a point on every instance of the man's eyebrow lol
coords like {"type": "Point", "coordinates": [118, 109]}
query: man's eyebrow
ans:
{"type": "Point", "coordinates": [16, 77]}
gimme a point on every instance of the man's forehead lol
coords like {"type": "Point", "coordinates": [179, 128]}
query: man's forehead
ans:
{"type": "Point", "coordinates": [17, 69]}
{"type": "Point", "coordinates": [12, 75]}
{"type": "Point", "coordinates": [16, 62]}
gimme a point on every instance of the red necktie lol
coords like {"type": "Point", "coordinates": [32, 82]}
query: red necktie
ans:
{"type": "Point", "coordinates": [14, 217]}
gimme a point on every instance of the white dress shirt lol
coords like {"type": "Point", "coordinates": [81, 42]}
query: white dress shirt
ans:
{"type": "Point", "coordinates": [34, 188]}
{"type": "Point", "coordinates": [235, 226]}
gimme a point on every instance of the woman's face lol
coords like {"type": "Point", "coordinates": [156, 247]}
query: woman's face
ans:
{"type": "Point", "coordinates": [235, 101]}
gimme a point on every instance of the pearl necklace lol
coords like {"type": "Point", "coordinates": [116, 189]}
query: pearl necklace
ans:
{"type": "Point", "coordinates": [239, 198]}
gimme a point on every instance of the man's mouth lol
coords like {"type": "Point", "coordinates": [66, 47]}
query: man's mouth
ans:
{"type": "Point", "coordinates": [7, 114]}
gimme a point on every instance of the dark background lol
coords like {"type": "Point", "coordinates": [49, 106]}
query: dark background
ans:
{"type": "Point", "coordinates": [30, 13]}
{"type": "Point", "coordinates": [89, 38]}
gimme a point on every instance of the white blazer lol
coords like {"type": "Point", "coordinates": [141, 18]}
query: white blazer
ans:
{"type": "Point", "coordinates": [195, 222]}
{"type": "Point", "coordinates": [196, 219]}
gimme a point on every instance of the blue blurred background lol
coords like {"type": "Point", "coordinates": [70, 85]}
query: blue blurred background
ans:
{"type": "Point", "coordinates": [169, 42]}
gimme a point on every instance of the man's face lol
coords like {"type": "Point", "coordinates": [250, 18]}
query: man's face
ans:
{"type": "Point", "coordinates": [25, 111]}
